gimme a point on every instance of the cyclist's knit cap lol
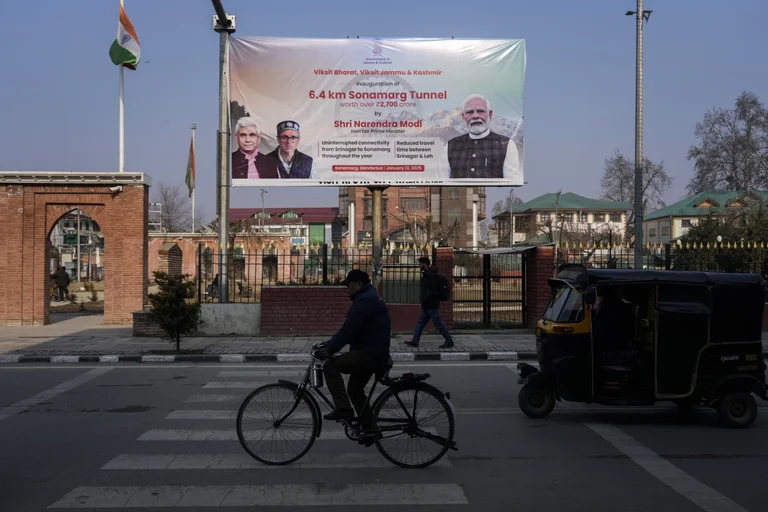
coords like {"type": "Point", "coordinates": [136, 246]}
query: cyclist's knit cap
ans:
{"type": "Point", "coordinates": [357, 276]}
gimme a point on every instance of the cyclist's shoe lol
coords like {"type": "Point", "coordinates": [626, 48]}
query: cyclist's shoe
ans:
{"type": "Point", "coordinates": [411, 343]}
{"type": "Point", "coordinates": [367, 441]}
{"type": "Point", "coordinates": [447, 344]}
{"type": "Point", "coordinates": [340, 415]}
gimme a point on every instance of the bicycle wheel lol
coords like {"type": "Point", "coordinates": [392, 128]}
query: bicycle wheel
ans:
{"type": "Point", "coordinates": [413, 418]}
{"type": "Point", "coordinates": [297, 430]}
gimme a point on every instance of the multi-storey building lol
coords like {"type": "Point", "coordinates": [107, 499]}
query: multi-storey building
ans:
{"type": "Point", "coordinates": [450, 209]}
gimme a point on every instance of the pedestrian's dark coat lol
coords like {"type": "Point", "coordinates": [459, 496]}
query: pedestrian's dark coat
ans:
{"type": "Point", "coordinates": [429, 284]}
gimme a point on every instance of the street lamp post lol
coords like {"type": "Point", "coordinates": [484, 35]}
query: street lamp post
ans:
{"type": "Point", "coordinates": [640, 16]}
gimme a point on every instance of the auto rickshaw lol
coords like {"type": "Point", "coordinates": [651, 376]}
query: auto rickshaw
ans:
{"type": "Point", "coordinates": [638, 337]}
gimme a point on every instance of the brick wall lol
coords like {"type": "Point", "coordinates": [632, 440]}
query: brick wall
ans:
{"type": "Point", "coordinates": [28, 213]}
{"type": "Point", "coordinates": [321, 310]}
{"type": "Point", "coordinates": [144, 327]}
{"type": "Point", "coordinates": [170, 259]}
{"type": "Point", "coordinates": [303, 310]}
{"type": "Point", "coordinates": [539, 268]}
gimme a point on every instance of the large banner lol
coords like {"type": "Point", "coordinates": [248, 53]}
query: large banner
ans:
{"type": "Point", "coordinates": [339, 112]}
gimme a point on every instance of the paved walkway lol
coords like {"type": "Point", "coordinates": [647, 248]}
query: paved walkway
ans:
{"type": "Point", "coordinates": [85, 339]}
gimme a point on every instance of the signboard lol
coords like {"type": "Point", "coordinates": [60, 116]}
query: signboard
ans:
{"type": "Point", "coordinates": [341, 112]}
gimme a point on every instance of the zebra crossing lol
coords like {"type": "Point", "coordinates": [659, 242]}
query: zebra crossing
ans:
{"type": "Point", "coordinates": [198, 438]}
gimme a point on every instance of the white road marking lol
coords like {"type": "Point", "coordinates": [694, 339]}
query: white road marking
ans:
{"type": "Point", "coordinates": [260, 373]}
{"type": "Point", "coordinates": [228, 434]}
{"type": "Point", "coordinates": [286, 373]}
{"type": "Point", "coordinates": [145, 366]}
{"type": "Point", "coordinates": [703, 496]}
{"type": "Point", "coordinates": [216, 461]}
{"type": "Point", "coordinates": [251, 384]}
{"type": "Point", "coordinates": [203, 398]}
{"type": "Point", "coordinates": [43, 396]}
{"type": "Point", "coordinates": [218, 414]}
{"type": "Point", "coordinates": [263, 495]}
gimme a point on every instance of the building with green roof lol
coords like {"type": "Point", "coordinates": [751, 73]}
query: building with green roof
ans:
{"type": "Point", "coordinates": [672, 222]}
{"type": "Point", "coordinates": [578, 213]}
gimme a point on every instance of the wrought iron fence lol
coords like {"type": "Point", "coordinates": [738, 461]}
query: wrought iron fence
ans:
{"type": "Point", "coordinates": [248, 270]}
{"type": "Point", "coordinates": [739, 257]}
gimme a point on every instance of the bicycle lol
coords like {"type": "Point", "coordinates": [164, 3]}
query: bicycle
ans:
{"type": "Point", "coordinates": [367, 431]}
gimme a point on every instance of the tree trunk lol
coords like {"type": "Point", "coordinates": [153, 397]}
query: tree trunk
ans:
{"type": "Point", "coordinates": [178, 343]}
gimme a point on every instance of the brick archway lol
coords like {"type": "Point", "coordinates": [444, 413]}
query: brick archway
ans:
{"type": "Point", "coordinates": [30, 206]}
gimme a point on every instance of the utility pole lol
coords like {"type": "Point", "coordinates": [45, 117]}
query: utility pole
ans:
{"type": "Point", "coordinates": [224, 24]}
{"type": "Point", "coordinates": [511, 216]}
{"type": "Point", "coordinates": [263, 210]}
{"type": "Point", "coordinates": [640, 16]}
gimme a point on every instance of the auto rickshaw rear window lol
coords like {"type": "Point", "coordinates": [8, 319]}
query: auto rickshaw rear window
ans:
{"type": "Point", "coordinates": [566, 305]}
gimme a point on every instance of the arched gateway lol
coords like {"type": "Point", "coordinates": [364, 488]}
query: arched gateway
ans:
{"type": "Point", "coordinates": [30, 205]}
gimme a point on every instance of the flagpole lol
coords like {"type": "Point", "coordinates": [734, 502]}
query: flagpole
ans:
{"type": "Point", "coordinates": [121, 142]}
{"type": "Point", "coordinates": [193, 189]}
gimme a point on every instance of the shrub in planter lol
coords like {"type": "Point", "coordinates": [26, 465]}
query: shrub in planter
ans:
{"type": "Point", "coordinates": [170, 309]}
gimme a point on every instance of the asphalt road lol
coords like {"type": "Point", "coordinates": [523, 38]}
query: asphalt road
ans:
{"type": "Point", "coordinates": [157, 438]}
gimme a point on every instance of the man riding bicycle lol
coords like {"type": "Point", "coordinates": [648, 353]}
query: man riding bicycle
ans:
{"type": "Point", "coordinates": [367, 331]}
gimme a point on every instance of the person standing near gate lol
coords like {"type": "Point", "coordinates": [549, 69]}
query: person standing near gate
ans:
{"type": "Point", "coordinates": [431, 285]}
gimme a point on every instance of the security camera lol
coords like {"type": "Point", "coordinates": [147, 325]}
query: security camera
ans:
{"type": "Point", "coordinates": [116, 189]}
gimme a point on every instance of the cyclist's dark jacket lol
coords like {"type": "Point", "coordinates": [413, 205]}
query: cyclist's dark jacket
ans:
{"type": "Point", "coordinates": [367, 327]}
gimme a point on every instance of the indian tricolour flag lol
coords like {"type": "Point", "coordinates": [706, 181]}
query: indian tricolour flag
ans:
{"type": "Point", "coordinates": [190, 179]}
{"type": "Point", "coordinates": [125, 49]}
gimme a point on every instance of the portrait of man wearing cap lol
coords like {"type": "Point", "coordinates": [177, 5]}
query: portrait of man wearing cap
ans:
{"type": "Point", "coordinates": [291, 162]}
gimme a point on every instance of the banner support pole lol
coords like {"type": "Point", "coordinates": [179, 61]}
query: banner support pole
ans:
{"type": "Point", "coordinates": [377, 193]}
{"type": "Point", "coordinates": [224, 24]}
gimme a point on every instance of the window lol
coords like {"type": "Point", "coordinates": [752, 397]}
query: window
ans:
{"type": "Point", "coordinates": [599, 217]}
{"type": "Point", "coordinates": [583, 217]}
{"type": "Point", "coordinates": [564, 306]}
{"type": "Point", "coordinates": [453, 216]}
{"type": "Point", "coordinates": [453, 193]}
{"type": "Point", "coordinates": [652, 233]}
{"type": "Point", "coordinates": [615, 217]}
{"type": "Point", "coordinates": [290, 215]}
{"type": "Point", "coordinates": [367, 224]}
{"type": "Point", "coordinates": [544, 217]}
{"type": "Point", "coordinates": [566, 217]}
{"type": "Point", "coordinates": [368, 206]}
{"type": "Point", "coordinates": [413, 203]}
{"type": "Point", "coordinates": [665, 231]}
{"type": "Point", "coordinates": [687, 223]}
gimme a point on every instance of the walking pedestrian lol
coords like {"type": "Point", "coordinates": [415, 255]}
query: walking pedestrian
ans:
{"type": "Point", "coordinates": [430, 304]}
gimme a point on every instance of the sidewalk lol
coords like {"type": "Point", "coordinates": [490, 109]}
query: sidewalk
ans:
{"type": "Point", "coordinates": [73, 339]}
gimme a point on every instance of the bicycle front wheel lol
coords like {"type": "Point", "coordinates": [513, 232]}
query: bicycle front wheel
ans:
{"type": "Point", "coordinates": [413, 426]}
{"type": "Point", "coordinates": [275, 426]}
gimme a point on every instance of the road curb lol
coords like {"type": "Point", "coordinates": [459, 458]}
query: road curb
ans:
{"type": "Point", "coordinates": [258, 358]}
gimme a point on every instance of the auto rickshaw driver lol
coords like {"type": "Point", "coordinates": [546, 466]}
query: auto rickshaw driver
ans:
{"type": "Point", "coordinates": [614, 319]}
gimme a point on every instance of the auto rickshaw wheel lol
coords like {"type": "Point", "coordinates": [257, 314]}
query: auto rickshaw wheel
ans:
{"type": "Point", "coordinates": [535, 402]}
{"type": "Point", "coordinates": [737, 409]}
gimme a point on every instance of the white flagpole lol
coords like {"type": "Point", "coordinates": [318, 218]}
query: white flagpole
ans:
{"type": "Point", "coordinates": [121, 142]}
{"type": "Point", "coordinates": [193, 190]}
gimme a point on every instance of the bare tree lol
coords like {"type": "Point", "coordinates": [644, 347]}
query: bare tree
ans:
{"type": "Point", "coordinates": [425, 229]}
{"type": "Point", "coordinates": [175, 208]}
{"type": "Point", "coordinates": [502, 205]}
{"type": "Point", "coordinates": [733, 149]}
{"type": "Point", "coordinates": [618, 184]}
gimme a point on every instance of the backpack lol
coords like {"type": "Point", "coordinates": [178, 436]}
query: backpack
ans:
{"type": "Point", "coordinates": [443, 287]}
